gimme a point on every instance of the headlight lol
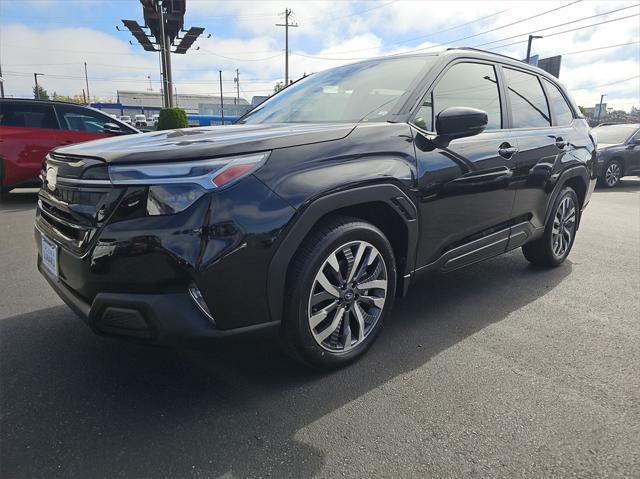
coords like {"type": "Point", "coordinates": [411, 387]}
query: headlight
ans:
{"type": "Point", "coordinates": [173, 187]}
{"type": "Point", "coordinates": [209, 174]}
{"type": "Point", "coordinates": [170, 199]}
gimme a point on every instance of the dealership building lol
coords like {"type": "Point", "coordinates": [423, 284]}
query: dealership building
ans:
{"type": "Point", "coordinates": [148, 103]}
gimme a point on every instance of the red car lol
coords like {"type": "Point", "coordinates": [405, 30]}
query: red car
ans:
{"type": "Point", "coordinates": [29, 129]}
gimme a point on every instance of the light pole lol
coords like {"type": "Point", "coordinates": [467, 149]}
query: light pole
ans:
{"type": "Point", "coordinates": [600, 108]}
{"type": "Point", "coordinates": [221, 98]}
{"type": "Point", "coordinates": [86, 79]}
{"type": "Point", "coordinates": [531, 38]}
{"type": "Point", "coordinates": [35, 77]}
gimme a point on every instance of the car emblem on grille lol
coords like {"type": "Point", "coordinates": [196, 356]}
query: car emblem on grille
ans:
{"type": "Point", "coordinates": [52, 177]}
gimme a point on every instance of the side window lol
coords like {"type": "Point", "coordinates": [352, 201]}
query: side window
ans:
{"type": "Point", "coordinates": [472, 85]}
{"type": "Point", "coordinates": [562, 111]}
{"type": "Point", "coordinates": [27, 115]}
{"type": "Point", "coordinates": [79, 119]}
{"type": "Point", "coordinates": [529, 107]}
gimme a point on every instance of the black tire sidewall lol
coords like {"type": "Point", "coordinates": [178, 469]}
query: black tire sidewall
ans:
{"type": "Point", "coordinates": [604, 174]}
{"type": "Point", "coordinates": [296, 325]}
{"type": "Point", "coordinates": [567, 190]}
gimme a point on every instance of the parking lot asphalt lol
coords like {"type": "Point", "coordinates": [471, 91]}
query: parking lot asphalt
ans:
{"type": "Point", "coordinates": [498, 370]}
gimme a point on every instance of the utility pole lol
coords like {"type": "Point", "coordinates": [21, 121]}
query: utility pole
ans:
{"type": "Point", "coordinates": [531, 38]}
{"type": "Point", "coordinates": [35, 77]}
{"type": "Point", "coordinates": [286, 25]}
{"type": "Point", "coordinates": [237, 82]}
{"type": "Point", "coordinates": [221, 98]}
{"type": "Point", "coordinates": [86, 79]}
{"type": "Point", "coordinates": [600, 108]}
{"type": "Point", "coordinates": [150, 84]}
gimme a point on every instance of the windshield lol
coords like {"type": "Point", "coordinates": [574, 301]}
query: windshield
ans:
{"type": "Point", "coordinates": [365, 91]}
{"type": "Point", "coordinates": [614, 134]}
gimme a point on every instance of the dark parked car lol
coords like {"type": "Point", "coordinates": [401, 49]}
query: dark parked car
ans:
{"type": "Point", "coordinates": [30, 128]}
{"type": "Point", "coordinates": [618, 152]}
{"type": "Point", "coordinates": [320, 207]}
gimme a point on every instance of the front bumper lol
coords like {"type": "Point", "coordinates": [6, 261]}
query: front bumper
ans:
{"type": "Point", "coordinates": [129, 274]}
{"type": "Point", "coordinates": [171, 319]}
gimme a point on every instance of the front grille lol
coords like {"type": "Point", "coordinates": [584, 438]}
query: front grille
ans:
{"type": "Point", "coordinates": [73, 208]}
{"type": "Point", "coordinates": [76, 196]}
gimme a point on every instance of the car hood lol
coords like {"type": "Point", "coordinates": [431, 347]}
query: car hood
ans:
{"type": "Point", "coordinates": [205, 142]}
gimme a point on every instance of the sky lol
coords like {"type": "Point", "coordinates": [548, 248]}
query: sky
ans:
{"type": "Point", "coordinates": [56, 37]}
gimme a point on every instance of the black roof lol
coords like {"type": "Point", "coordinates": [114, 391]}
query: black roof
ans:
{"type": "Point", "coordinates": [44, 101]}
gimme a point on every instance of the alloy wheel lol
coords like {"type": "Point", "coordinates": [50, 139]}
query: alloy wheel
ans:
{"type": "Point", "coordinates": [564, 227]}
{"type": "Point", "coordinates": [612, 174]}
{"type": "Point", "coordinates": [348, 296]}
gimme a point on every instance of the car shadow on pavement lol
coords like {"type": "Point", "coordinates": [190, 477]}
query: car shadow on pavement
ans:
{"type": "Point", "coordinates": [628, 184]}
{"type": "Point", "coordinates": [74, 404]}
{"type": "Point", "coordinates": [19, 200]}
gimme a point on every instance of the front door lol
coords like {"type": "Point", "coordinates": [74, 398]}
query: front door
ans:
{"type": "Point", "coordinates": [464, 189]}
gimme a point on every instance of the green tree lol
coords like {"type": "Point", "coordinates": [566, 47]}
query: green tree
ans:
{"type": "Point", "coordinates": [582, 110]}
{"type": "Point", "coordinates": [278, 86]}
{"type": "Point", "coordinates": [171, 118]}
{"type": "Point", "coordinates": [40, 92]}
{"type": "Point", "coordinates": [71, 99]}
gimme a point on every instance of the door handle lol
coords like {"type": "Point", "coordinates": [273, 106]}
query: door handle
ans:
{"type": "Point", "coordinates": [560, 143]}
{"type": "Point", "coordinates": [506, 150]}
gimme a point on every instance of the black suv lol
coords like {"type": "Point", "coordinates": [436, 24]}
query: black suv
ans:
{"type": "Point", "coordinates": [319, 208]}
{"type": "Point", "coordinates": [618, 152]}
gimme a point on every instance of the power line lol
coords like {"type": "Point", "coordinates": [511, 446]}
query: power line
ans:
{"type": "Point", "coordinates": [600, 48]}
{"type": "Point", "coordinates": [606, 84]}
{"type": "Point", "coordinates": [408, 40]}
{"type": "Point", "coordinates": [559, 25]}
{"type": "Point", "coordinates": [570, 30]}
{"type": "Point", "coordinates": [457, 39]}
{"type": "Point", "coordinates": [241, 59]}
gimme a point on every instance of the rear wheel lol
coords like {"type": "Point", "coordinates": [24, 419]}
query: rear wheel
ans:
{"type": "Point", "coordinates": [560, 231]}
{"type": "Point", "coordinates": [341, 286]}
{"type": "Point", "coordinates": [612, 174]}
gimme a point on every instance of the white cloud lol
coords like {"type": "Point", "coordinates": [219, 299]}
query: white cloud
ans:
{"type": "Point", "coordinates": [331, 33]}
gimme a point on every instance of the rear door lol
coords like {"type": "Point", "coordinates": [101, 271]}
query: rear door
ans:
{"type": "Point", "coordinates": [81, 124]}
{"type": "Point", "coordinates": [540, 144]}
{"type": "Point", "coordinates": [633, 155]}
{"type": "Point", "coordinates": [28, 130]}
{"type": "Point", "coordinates": [465, 188]}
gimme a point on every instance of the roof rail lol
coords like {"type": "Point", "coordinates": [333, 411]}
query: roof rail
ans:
{"type": "Point", "coordinates": [483, 51]}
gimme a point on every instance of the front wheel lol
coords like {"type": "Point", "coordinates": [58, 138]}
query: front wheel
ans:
{"type": "Point", "coordinates": [612, 174]}
{"type": "Point", "coordinates": [341, 286]}
{"type": "Point", "coordinates": [560, 231]}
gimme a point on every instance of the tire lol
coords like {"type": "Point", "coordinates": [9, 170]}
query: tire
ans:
{"type": "Point", "coordinates": [559, 234]}
{"type": "Point", "coordinates": [338, 325]}
{"type": "Point", "coordinates": [611, 174]}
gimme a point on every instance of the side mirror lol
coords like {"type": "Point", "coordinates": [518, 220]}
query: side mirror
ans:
{"type": "Point", "coordinates": [111, 128]}
{"type": "Point", "coordinates": [459, 122]}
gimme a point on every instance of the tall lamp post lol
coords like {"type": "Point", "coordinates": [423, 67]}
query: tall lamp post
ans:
{"type": "Point", "coordinates": [35, 77]}
{"type": "Point", "coordinates": [600, 108]}
{"type": "Point", "coordinates": [531, 39]}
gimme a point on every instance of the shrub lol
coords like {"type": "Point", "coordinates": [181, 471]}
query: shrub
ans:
{"type": "Point", "coordinates": [171, 118]}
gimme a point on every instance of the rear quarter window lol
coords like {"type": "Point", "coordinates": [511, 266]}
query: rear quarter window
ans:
{"type": "Point", "coordinates": [25, 115]}
{"type": "Point", "coordinates": [561, 110]}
